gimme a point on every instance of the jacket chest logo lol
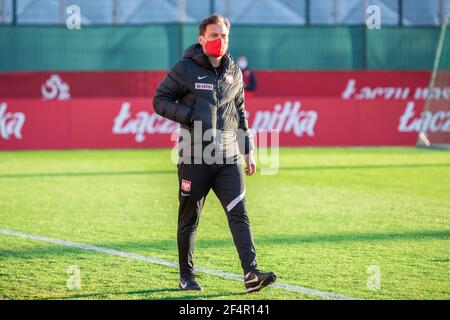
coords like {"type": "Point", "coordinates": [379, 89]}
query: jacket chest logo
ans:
{"type": "Point", "coordinates": [204, 86]}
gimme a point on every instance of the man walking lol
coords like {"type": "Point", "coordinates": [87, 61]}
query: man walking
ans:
{"type": "Point", "coordinates": [204, 93]}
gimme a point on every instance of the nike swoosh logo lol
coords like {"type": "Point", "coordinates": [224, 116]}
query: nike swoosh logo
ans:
{"type": "Point", "coordinates": [183, 284]}
{"type": "Point", "coordinates": [185, 194]}
{"type": "Point", "coordinates": [200, 78]}
{"type": "Point", "coordinates": [255, 279]}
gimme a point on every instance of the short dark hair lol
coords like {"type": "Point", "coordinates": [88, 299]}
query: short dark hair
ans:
{"type": "Point", "coordinates": [212, 19]}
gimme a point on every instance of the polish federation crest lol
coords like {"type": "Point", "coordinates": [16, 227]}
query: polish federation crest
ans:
{"type": "Point", "coordinates": [185, 185]}
{"type": "Point", "coordinates": [229, 78]}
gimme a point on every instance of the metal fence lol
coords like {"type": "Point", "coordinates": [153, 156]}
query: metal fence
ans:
{"type": "Point", "coordinates": [279, 12]}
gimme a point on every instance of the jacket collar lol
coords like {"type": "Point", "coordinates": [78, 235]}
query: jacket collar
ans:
{"type": "Point", "coordinates": [195, 52]}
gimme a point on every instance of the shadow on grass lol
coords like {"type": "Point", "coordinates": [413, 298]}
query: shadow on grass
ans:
{"type": "Point", "coordinates": [205, 296]}
{"type": "Point", "coordinates": [86, 174]}
{"type": "Point", "coordinates": [183, 295]}
{"type": "Point", "coordinates": [173, 171]}
{"type": "Point", "coordinates": [100, 295]}
{"type": "Point", "coordinates": [154, 247]}
{"type": "Point", "coordinates": [357, 237]}
{"type": "Point", "coordinates": [289, 239]}
{"type": "Point", "coordinates": [368, 166]}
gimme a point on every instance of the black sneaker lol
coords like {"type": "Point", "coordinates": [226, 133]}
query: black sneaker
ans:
{"type": "Point", "coordinates": [189, 283]}
{"type": "Point", "coordinates": [256, 280]}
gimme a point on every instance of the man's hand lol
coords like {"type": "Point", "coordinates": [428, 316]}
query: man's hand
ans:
{"type": "Point", "coordinates": [251, 164]}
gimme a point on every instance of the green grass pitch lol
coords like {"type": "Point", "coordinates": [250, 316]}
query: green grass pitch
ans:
{"type": "Point", "coordinates": [322, 222]}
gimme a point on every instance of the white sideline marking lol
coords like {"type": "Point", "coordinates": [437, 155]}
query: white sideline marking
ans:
{"type": "Point", "coordinates": [218, 273]}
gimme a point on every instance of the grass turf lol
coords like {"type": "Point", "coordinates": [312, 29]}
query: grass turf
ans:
{"type": "Point", "coordinates": [321, 222]}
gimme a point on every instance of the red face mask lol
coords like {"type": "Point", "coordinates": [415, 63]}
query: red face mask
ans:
{"type": "Point", "coordinates": [214, 47]}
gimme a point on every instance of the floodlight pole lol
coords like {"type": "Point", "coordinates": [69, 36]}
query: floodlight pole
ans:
{"type": "Point", "coordinates": [212, 6]}
{"type": "Point", "coordinates": [335, 12]}
{"type": "Point", "coordinates": [115, 13]}
{"type": "Point", "coordinates": [181, 20]}
{"type": "Point", "coordinates": [308, 12]}
{"type": "Point", "coordinates": [2, 4]}
{"type": "Point", "coordinates": [14, 12]}
{"type": "Point", "coordinates": [62, 11]}
{"type": "Point", "coordinates": [441, 11]}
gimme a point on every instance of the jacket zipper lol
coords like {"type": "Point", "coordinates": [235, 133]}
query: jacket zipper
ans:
{"type": "Point", "coordinates": [217, 103]}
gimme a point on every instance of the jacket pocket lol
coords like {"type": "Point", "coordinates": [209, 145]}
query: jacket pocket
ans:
{"type": "Point", "coordinates": [206, 113]}
{"type": "Point", "coordinates": [204, 116]}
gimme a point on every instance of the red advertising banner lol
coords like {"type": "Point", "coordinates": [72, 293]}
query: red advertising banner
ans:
{"type": "Point", "coordinates": [337, 84]}
{"type": "Point", "coordinates": [114, 109]}
{"type": "Point", "coordinates": [132, 123]}
{"type": "Point", "coordinates": [79, 84]}
{"type": "Point", "coordinates": [314, 84]}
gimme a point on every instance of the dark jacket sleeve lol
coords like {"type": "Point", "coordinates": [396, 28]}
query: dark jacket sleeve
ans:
{"type": "Point", "coordinates": [173, 87]}
{"type": "Point", "coordinates": [245, 136]}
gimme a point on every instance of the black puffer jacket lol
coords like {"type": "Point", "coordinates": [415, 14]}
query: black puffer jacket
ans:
{"type": "Point", "coordinates": [193, 90]}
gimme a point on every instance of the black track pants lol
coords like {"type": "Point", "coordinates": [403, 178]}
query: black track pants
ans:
{"type": "Point", "coordinates": [227, 182]}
